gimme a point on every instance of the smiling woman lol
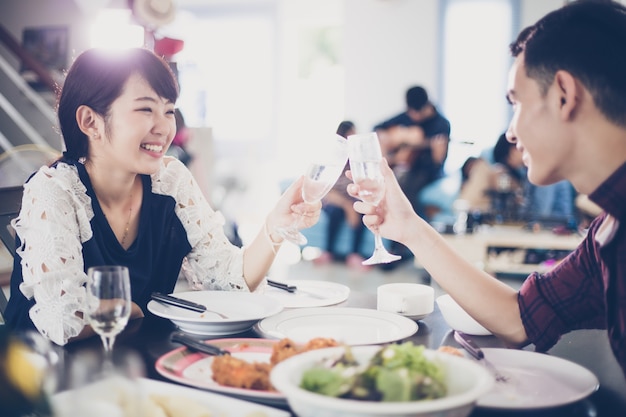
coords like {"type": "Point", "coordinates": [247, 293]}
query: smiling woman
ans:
{"type": "Point", "coordinates": [114, 198]}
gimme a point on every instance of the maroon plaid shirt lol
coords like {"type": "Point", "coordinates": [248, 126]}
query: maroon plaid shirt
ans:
{"type": "Point", "coordinates": [587, 290]}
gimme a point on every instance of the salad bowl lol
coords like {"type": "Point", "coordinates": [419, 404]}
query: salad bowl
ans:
{"type": "Point", "coordinates": [465, 382]}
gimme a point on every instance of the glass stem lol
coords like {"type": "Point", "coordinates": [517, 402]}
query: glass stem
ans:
{"type": "Point", "coordinates": [378, 241]}
{"type": "Point", "coordinates": [108, 342]}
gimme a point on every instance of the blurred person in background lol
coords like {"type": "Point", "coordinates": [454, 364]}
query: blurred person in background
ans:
{"type": "Point", "coordinates": [415, 142]}
{"type": "Point", "coordinates": [178, 148]}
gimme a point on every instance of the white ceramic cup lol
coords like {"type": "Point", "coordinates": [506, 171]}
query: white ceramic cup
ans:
{"type": "Point", "coordinates": [408, 299]}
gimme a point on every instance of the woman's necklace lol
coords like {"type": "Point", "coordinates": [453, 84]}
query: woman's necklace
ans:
{"type": "Point", "coordinates": [130, 214]}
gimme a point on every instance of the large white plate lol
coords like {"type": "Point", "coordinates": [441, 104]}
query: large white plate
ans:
{"type": "Point", "coordinates": [243, 310]}
{"type": "Point", "coordinates": [351, 326]}
{"type": "Point", "coordinates": [194, 369]}
{"type": "Point", "coordinates": [536, 380]}
{"type": "Point", "coordinates": [310, 293]}
{"type": "Point", "coordinates": [217, 405]}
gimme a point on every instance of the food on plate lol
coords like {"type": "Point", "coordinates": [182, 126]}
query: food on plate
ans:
{"type": "Point", "coordinates": [397, 372]}
{"type": "Point", "coordinates": [235, 372]}
{"type": "Point", "coordinates": [286, 348]}
{"type": "Point", "coordinates": [451, 350]}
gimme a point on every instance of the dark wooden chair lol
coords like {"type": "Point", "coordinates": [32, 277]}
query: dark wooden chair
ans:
{"type": "Point", "coordinates": [10, 204]}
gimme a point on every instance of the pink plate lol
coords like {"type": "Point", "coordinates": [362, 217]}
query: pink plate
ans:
{"type": "Point", "coordinates": [194, 369]}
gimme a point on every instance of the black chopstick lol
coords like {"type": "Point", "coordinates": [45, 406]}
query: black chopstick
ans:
{"type": "Point", "coordinates": [178, 302]}
{"type": "Point", "coordinates": [197, 345]}
{"type": "Point", "coordinates": [281, 285]}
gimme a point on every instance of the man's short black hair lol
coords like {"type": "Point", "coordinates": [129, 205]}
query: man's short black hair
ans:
{"type": "Point", "coordinates": [416, 98]}
{"type": "Point", "coordinates": [586, 38]}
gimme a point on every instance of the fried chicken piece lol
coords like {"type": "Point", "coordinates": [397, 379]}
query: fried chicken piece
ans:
{"type": "Point", "coordinates": [234, 372]}
{"type": "Point", "coordinates": [451, 350]}
{"type": "Point", "coordinates": [320, 343]}
{"type": "Point", "coordinates": [286, 348]}
{"type": "Point", "coordinates": [283, 349]}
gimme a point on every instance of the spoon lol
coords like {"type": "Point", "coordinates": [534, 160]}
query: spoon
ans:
{"type": "Point", "coordinates": [478, 354]}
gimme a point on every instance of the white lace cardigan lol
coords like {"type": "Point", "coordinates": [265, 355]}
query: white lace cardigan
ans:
{"type": "Point", "coordinates": [55, 221]}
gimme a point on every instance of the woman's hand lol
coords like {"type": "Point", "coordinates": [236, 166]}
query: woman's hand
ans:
{"type": "Point", "coordinates": [393, 215]}
{"type": "Point", "coordinates": [291, 208]}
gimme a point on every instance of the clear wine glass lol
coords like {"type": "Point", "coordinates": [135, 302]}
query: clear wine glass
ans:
{"type": "Point", "coordinates": [365, 159]}
{"type": "Point", "coordinates": [108, 302]}
{"type": "Point", "coordinates": [326, 165]}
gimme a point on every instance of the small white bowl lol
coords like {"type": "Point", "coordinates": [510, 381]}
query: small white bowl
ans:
{"type": "Point", "coordinates": [458, 319]}
{"type": "Point", "coordinates": [412, 300]}
{"type": "Point", "coordinates": [466, 381]}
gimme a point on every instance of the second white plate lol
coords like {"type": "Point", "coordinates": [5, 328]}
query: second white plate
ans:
{"type": "Point", "coordinates": [352, 326]}
{"type": "Point", "coordinates": [310, 293]}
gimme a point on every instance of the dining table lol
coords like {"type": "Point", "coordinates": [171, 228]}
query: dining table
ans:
{"type": "Point", "coordinates": [150, 336]}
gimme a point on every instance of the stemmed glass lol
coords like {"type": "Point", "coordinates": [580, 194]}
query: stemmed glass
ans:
{"type": "Point", "coordinates": [108, 302]}
{"type": "Point", "coordinates": [365, 159]}
{"type": "Point", "coordinates": [329, 159]}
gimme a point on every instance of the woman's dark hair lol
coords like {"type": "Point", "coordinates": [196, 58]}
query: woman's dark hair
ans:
{"type": "Point", "coordinates": [96, 78]}
{"type": "Point", "coordinates": [501, 152]}
{"type": "Point", "coordinates": [467, 168]}
{"type": "Point", "coordinates": [344, 127]}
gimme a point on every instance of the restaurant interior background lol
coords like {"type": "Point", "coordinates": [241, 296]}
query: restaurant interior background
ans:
{"type": "Point", "coordinates": [261, 79]}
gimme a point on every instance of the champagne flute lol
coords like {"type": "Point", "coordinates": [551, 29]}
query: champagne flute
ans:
{"type": "Point", "coordinates": [108, 302]}
{"type": "Point", "coordinates": [365, 159]}
{"type": "Point", "coordinates": [328, 162]}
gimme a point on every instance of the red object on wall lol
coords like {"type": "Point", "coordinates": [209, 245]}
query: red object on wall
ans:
{"type": "Point", "coordinates": [168, 47]}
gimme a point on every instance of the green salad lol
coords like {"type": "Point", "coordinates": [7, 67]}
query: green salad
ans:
{"type": "Point", "coordinates": [398, 372]}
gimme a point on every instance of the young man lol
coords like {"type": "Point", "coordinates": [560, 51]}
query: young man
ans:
{"type": "Point", "coordinates": [568, 92]}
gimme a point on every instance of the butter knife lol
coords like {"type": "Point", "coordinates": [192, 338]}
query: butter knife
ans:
{"type": "Point", "coordinates": [293, 289]}
{"type": "Point", "coordinates": [198, 345]}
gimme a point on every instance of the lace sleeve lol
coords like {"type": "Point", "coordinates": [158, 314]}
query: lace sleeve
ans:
{"type": "Point", "coordinates": [214, 263]}
{"type": "Point", "coordinates": [52, 224]}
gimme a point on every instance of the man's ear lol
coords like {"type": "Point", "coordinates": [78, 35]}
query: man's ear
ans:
{"type": "Point", "coordinates": [568, 90]}
{"type": "Point", "coordinates": [87, 120]}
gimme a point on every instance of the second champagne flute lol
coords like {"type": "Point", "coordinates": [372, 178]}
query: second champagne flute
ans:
{"type": "Point", "coordinates": [108, 302]}
{"type": "Point", "coordinates": [325, 167]}
{"type": "Point", "coordinates": [365, 159]}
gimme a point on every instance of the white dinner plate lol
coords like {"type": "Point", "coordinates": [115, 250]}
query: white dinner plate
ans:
{"type": "Point", "coordinates": [194, 369]}
{"type": "Point", "coordinates": [215, 404]}
{"type": "Point", "coordinates": [310, 293]}
{"type": "Point", "coordinates": [243, 310]}
{"type": "Point", "coordinates": [351, 326]}
{"type": "Point", "coordinates": [536, 380]}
